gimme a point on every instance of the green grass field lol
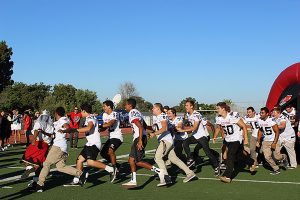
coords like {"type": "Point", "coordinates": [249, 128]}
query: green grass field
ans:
{"type": "Point", "coordinates": [261, 186]}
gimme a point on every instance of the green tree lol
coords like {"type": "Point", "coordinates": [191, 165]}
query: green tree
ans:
{"type": "Point", "coordinates": [6, 65]}
{"type": "Point", "coordinates": [23, 96]}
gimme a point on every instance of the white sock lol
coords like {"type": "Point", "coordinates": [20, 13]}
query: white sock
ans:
{"type": "Point", "coordinates": [109, 169]}
{"type": "Point", "coordinates": [76, 180]}
{"type": "Point", "coordinates": [29, 167]}
{"type": "Point", "coordinates": [155, 169]}
{"type": "Point", "coordinates": [133, 177]}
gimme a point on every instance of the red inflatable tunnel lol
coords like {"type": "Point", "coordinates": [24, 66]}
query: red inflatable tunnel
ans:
{"type": "Point", "coordinates": [286, 88]}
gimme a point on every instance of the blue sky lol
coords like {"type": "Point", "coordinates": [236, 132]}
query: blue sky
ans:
{"type": "Point", "coordinates": [169, 49]}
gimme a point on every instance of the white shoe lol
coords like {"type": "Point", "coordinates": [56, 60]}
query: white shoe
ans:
{"type": "Point", "coordinates": [161, 184]}
{"type": "Point", "coordinates": [129, 185]}
{"type": "Point", "coordinates": [189, 177]}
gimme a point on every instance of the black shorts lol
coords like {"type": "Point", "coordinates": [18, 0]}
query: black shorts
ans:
{"type": "Point", "coordinates": [138, 155]}
{"type": "Point", "coordinates": [90, 152]}
{"type": "Point", "coordinates": [113, 143]}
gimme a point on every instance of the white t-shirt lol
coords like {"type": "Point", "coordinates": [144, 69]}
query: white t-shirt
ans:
{"type": "Point", "coordinates": [288, 133]}
{"type": "Point", "coordinates": [157, 124]}
{"type": "Point", "coordinates": [134, 114]}
{"type": "Point", "coordinates": [232, 131]}
{"type": "Point", "coordinates": [60, 138]}
{"type": "Point", "coordinates": [114, 131]}
{"type": "Point", "coordinates": [175, 123]}
{"type": "Point", "coordinates": [46, 127]}
{"type": "Point", "coordinates": [253, 122]}
{"type": "Point", "coordinates": [202, 130]}
{"type": "Point", "coordinates": [93, 136]}
{"type": "Point", "coordinates": [266, 126]}
{"type": "Point", "coordinates": [291, 116]}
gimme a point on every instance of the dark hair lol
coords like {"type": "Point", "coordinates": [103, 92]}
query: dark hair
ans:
{"type": "Point", "coordinates": [251, 108]}
{"type": "Point", "coordinates": [166, 108]}
{"type": "Point", "coordinates": [173, 110]}
{"type": "Point", "coordinates": [87, 108]}
{"type": "Point", "coordinates": [160, 106]}
{"type": "Point", "coordinates": [109, 103]}
{"type": "Point", "coordinates": [191, 102]}
{"type": "Point", "coordinates": [225, 106]}
{"type": "Point", "coordinates": [265, 109]}
{"type": "Point", "coordinates": [60, 111]}
{"type": "Point", "coordinates": [131, 102]}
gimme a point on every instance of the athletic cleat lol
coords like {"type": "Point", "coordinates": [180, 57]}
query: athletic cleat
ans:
{"type": "Point", "coordinates": [217, 171]}
{"type": "Point", "coordinates": [113, 175]}
{"type": "Point", "coordinates": [253, 169]}
{"type": "Point", "coordinates": [83, 178]}
{"type": "Point", "coordinates": [129, 185]}
{"type": "Point", "coordinates": [190, 163]}
{"type": "Point", "coordinates": [72, 184]}
{"type": "Point", "coordinates": [224, 179]}
{"type": "Point", "coordinates": [189, 177]}
{"type": "Point", "coordinates": [27, 173]}
{"type": "Point", "coordinates": [285, 163]}
{"type": "Point", "coordinates": [276, 172]}
{"type": "Point", "coordinates": [39, 188]}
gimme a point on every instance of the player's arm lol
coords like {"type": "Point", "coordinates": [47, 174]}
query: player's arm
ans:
{"type": "Point", "coordinates": [179, 127]}
{"type": "Point", "coordinates": [35, 135]}
{"type": "Point", "coordinates": [109, 123]}
{"type": "Point", "coordinates": [216, 133]}
{"type": "Point", "coordinates": [192, 128]}
{"type": "Point", "coordinates": [163, 129]}
{"type": "Point", "coordinates": [141, 128]}
{"type": "Point", "coordinates": [211, 126]}
{"type": "Point", "coordinates": [89, 127]}
{"type": "Point", "coordinates": [282, 124]}
{"type": "Point", "coordinates": [243, 126]}
{"type": "Point", "coordinates": [277, 133]}
{"type": "Point", "coordinates": [259, 136]}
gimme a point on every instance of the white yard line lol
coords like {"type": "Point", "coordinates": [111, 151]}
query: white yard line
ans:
{"type": "Point", "coordinates": [235, 180]}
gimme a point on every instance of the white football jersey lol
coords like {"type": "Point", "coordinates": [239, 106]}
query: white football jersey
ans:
{"type": "Point", "coordinates": [232, 130]}
{"type": "Point", "coordinates": [93, 136]}
{"type": "Point", "coordinates": [266, 126]}
{"type": "Point", "coordinates": [175, 123]}
{"type": "Point", "coordinates": [253, 122]}
{"type": "Point", "coordinates": [202, 130]}
{"type": "Point", "coordinates": [291, 116]}
{"type": "Point", "coordinates": [60, 138]}
{"type": "Point", "coordinates": [157, 125]}
{"type": "Point", "coordinates": [134, 114]}
{"type": "Point", "coordinates": [114, 131]}
{"type": "Point", "coordinates": [288, 133]}
{"type": "Point", "coordinates": [46, 126]}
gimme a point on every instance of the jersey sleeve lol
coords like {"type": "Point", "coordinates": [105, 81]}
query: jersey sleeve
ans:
{"type": "Point", "coordinates": [235, 118]}
{"type": "Point", "coordinates": [196, 117]}
{"type": "Point", "coordinates": [218, 122]}
{"type": "Point", "coordinates": [133, 116]}
{"type": "Point", "coordinates": [273, 122]}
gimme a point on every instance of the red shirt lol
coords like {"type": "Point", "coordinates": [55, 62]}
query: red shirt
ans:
{"type": "Point", "coordinates": [27, 123]}
{"type": "Point", "coordinates": [74, 119]}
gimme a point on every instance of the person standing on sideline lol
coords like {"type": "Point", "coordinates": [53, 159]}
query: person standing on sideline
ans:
{"type": "Point", "coordinates": [74, 117]}
{"type": "Point", "coordinates": [16, 125]}
{"type": "Point", "coordinates": [27, 126]}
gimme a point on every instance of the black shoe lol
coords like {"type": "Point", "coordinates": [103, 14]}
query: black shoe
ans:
{"type": "Point", "coordinates": [39, 188]}
{"type": "Point", "coordinates": [277, 172]}
{"type": "Point", "coordinates": [27, 173]}
{"type": "Point", "coordinates": [217, 171]}
{"type": "Point", "coordinates": [72, 184]}
{"type": "Point", "coordinates": [168, 180]}
{"type": "Point", "coordinates": [83, 178]}
{"type": "Point", "coordinates": [113, 175]}
{"type": "Point", "coordinates": [190, 163]}
{"type": "Point", "coordinates": [32, 186]}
